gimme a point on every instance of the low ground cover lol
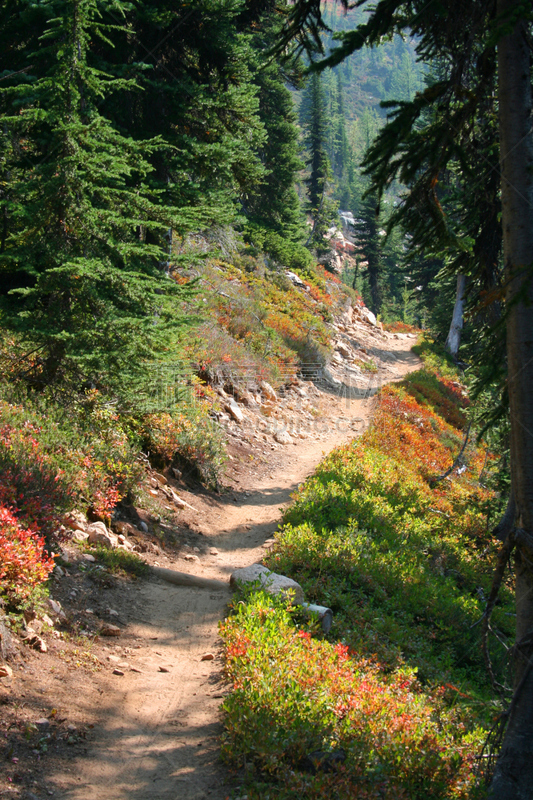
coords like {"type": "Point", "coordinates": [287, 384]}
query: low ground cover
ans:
{"type": "Point", "coordinates": [396, 700]}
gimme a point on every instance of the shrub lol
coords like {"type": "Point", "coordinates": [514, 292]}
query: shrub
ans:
{"type": "Point", "coordinates": [406, 565]}
{"type": "Point", "coordinates": [24, 563]}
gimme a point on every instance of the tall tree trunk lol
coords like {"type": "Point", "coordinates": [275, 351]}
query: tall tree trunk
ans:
{"type": "Point", "coordinates": [454, 336]}
{"type": "Point", "coordinates": [513, 777]}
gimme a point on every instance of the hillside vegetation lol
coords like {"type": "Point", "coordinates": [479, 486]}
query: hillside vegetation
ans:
{"type": "Point", "coordinates": [396, 700]}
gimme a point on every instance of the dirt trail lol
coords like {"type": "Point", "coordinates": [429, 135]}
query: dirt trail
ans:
{"type": "Point", "coordinates": [156, 732]}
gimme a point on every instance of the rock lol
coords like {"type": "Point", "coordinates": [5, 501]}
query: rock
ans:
{"type": "Point", "coordinates": [110, 630]}
{"type": "Point", "coordinates": [89, 557]}
{"type": "Point", "coordinates": [143, 526]}
{"type": "Point", "coordinates": [98, 534]}
{"type": "Point", "coordinates": [368, 316]}
{"type": "Point", "coordinates": [5, 671]}
{"type": "Point", "coordinates": [207, 657]}
{"type": "Point", "coordinates": [325, 615]}
{"type": "Point", "coordinates": [75, 520]}
{"type": "Point", "coordinates": [43, 724]}
{"type": "Point", "coordinates": [80, 536]}
{"type": "Point", "coordinates": [213, 551]}
{"type": "Point", "coordinates": [270, 581]}
{"type": "Point", "coordinates": [7, 641]}
{"type": "Point", "coordinates": [160, 478]}
{"type": "Point", "coordinates": [117, 671]}
{"type": "Point", "coordinates": [343, 349]}
{"type": "Point", "coordinates": [283, 437]}
{"type": "Point", "coordinates": [34, 641]}
{"type": "Point", "coordinates": [234, 411]}
{"type": "Point", "coordinates": [47, 621]}
{"type": "Point", "coordinates": [112, 612]}
{"type": "Point", "coordinates": [268, 391]}
{"type": "Point", "coordinates": [191, 557]}
{"type": "Point", "coordinates": [294, 278]}
{"type": "Point", "coordinates": [58, 572]}
{"type": "Point", "coordinates": [164, 669]}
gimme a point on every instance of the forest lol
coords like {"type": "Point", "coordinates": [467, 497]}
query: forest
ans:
{"type": "Point", "coordinates": [194, 200]}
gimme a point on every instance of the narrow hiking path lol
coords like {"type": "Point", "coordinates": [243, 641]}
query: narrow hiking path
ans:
{"type": "Point", "coordinates": [155, 726]}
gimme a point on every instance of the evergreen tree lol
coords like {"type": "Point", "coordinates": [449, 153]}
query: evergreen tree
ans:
{"type": "Point", "coordinates": [92, 303]}
{"type": "Point", "coordinates": [314, 124]}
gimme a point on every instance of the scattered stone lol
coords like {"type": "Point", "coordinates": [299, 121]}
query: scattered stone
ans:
{"type": "Point", "coordinates": [164, 669]}
{"type": "Point", "coordinates": [47, 621]}
{"type": "Point", "coordinates": [270, 581]}
{"type": "Point", "coordinates": [80, 536]}
{"type": "Point", "coordinates": [89, 557]}
{"type": "Point", "coordinates": [143, 526]}
{"type": "Point", "coordinates": [160, 478]}
{"type": "Point", "coordinates": [75, 520]}
{"type": "Point", "coordinates": [295, 279]}
{"type": "Point", "coordinates": [136, 669]}
{"type": "Point", "coordinates": [113, 659]}
{"type": "Point", "coordinates": [190, 557]}
{"type": "Point", "coordinates": [343, 349]}
{"type": "Point", "coordinates": [207, 657]}
{"type": "Point", "coordinates": [58, 572]}
{"type": "Point", "coordinates": [54, 606]}
{"type": "Point", "coordinates": [112, 612]}
{"type": "Point", "coordinates": [98, 534]}
{"type": "Point", "coordinates": [234, 411]}
{"type": "Point", "coordinates": [35, 641]}
{"type": "Point", "coordinates": [7, 641]}
{"type": "Point", "coordinates": [110, 630]}
{"type": "Point", "coordinates": [118, 672]}
{"type": "Point", "coordinates": [283, 437]}
{"type": "Point", "coordinates": [43, 724]}
{"type": "Point", "coordinates": [268, 391]}
{"type": "Point", "coordinates": [5, 671]}
{"type": "Point", "coordinates": [368, 316]}
{"type": "Point", "coordinates": [213, 551]}
{"type": "Point", "coordinates": [71, 728]}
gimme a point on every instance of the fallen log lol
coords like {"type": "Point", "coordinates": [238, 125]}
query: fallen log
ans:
{"type": "Point", "coordinates": [184, 579]}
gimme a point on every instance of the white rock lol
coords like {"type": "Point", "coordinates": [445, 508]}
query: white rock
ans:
{"type": "Point", "coordinates": [54, 606]}
{"type": "Point", "coordinates": [236, 413]}
{"type": "Point", "coordinates": [143, 526]}
{"type": "Point", "coordinates": [270, 581]}
{"type": "Point", "coordinates": [75, 520]}
{"type": "Point", "coordinates": [80, 536]}
{"type": "Point", "coordinates": [88, 557]}
{"type": "Point", "coordinates": [283, 437]}
{"type": "Point", "coordinates": [268, 391]}
{"type": "Point", "coordinates": [98, 534]}
{"type": "Point", "coordinates": [343, 349]}
{"type": "Point", "coordinates": [368, 316]}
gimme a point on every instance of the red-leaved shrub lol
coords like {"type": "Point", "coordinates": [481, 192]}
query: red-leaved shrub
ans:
{"type": "Point", "coordinates": [23, 561]}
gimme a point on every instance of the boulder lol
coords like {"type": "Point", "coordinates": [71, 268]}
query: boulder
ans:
{"type": "Point", "coordinates": [268, 391]}
{"type": "Point", "coordinates": [75, 520]}
{"type": "Point", "coordinates": [343, 349]}
{"type": "Point", "coordinates": [270, 581]}
{"type": "Point", "coordinates": [368, 316]}
{"type": "Point", "coordinates": [283, 437]}
{"type": "Point", "coordinates": [234, 411]}
{"type": "Point", "coordinates": [98, 534]}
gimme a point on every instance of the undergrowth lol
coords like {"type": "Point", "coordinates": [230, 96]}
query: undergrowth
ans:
{"type": "Point", "coordinates": [396, 700]}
